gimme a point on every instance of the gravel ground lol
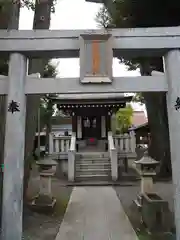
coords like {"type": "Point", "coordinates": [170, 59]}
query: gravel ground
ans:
{"type": "Point", "coordinates": [45, 226]}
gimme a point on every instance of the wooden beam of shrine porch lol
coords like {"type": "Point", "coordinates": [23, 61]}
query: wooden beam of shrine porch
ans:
{"type": "Point", "coordinates": [36, 85]}
{"type": "Point", "coordinates": [65, 43]}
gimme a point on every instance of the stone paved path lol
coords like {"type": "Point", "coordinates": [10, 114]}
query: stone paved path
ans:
{"type": "Point", "coordinates": [95, 213]}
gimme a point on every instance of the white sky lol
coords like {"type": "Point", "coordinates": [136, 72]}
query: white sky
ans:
{"type": "Point", "coordinates": [74, 14]}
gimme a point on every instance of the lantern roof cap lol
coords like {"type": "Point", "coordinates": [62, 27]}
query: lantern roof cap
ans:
{"type": "Point", "coordinates": [147, 160]}
{"type": "Point", "coordinates": [47, 161]}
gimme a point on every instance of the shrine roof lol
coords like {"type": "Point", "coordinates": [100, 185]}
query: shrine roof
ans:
{"type": "Point", "coordinates": [92, 97]}
{"type": "Point", "coordinates": [107, 101]}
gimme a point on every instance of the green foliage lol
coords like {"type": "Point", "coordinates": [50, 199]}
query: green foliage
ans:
{"type": "Point", "coordinates": [124, 118]}
{"type": "Point", "coordinates": [47, 108]}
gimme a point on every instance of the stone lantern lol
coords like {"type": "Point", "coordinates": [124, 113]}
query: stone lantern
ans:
{"type": "Point", "coordinates": [146, 167]}
{"type": "Point", "coordinates": [154, 210]}
{"type": "Point", "coordinates": [44, 200]}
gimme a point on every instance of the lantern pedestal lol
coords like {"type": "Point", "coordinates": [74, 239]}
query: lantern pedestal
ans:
{"type": "Point", "coordinates": [147, 183]}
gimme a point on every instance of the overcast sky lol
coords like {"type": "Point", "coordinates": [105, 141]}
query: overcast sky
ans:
{"type": "Point", "coordinates": [74, 14]}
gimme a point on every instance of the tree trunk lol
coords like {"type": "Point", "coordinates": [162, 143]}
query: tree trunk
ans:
{"type": "Point", "coordinates": [41, 21]}
{"type": "Point", "coordinates": [48, 130]}
{"type": "Point", "coordinates": [157, 118]}
{"type": "Point", "coordinates": [158, 124]}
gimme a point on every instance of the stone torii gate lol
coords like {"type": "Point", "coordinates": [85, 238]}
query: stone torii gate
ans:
{"type": "Point", "coordinates": [21, 45]}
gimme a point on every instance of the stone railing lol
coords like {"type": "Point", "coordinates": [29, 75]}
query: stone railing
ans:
{"type": "Point", "coordinates": [113, 157]}
{"type": "Point", "coordinates": [59, 145]}
{"type": "Point", "coordinates": [71, 158]}
{"type": "Point", "coordinates": [125, 144]}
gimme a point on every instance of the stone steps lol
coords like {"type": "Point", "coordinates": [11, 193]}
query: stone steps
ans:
{"type": "Point", "coordinates": [93, 167]}
{"type": "Point", "coordinates": [92, 171]}
{"type": "Point", "coordinates": [92, 154]}
{"type": "Point", "coordinates": [91, 177]}
{"type": "Point", "coordinates": [89, 161]}
{"type": "Point", "coordinates": [90, 165]}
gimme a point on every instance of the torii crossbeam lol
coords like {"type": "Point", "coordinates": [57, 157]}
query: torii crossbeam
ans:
{"type": "Point", "coordinates": [65, 43]}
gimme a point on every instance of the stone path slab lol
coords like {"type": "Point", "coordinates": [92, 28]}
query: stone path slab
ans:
{"type": "Point", "coordinates": [95, 213]}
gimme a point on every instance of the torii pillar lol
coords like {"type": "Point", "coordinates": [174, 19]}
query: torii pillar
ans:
{"type": "Point", "coordinates": [14, 149]}
{"type": "Point", "coordinates": [172, 71]}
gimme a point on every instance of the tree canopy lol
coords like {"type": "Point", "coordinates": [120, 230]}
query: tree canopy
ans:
{"type": "Point", "coordinates": [130, 14]}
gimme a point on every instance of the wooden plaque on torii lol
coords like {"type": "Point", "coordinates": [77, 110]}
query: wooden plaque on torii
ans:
{"type": "Point", "coordinates": [96, 56]}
